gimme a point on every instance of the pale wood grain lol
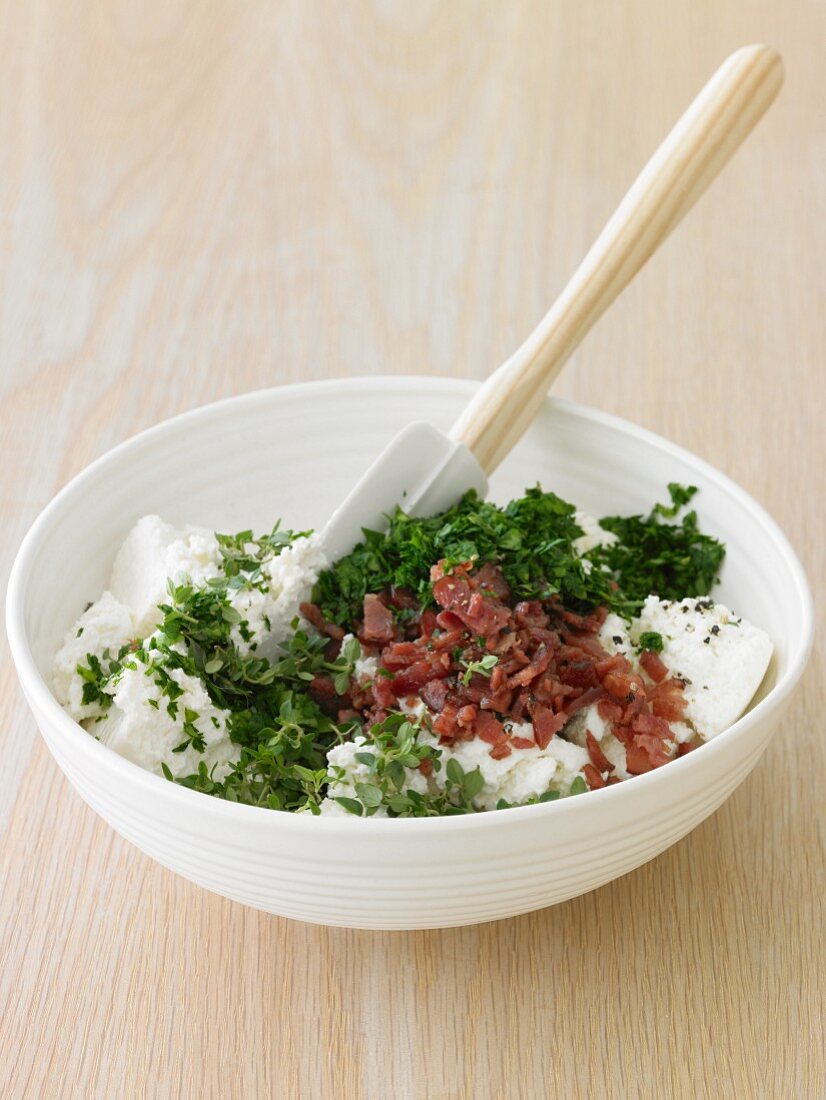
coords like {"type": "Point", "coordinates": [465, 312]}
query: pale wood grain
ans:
{"type": "Point", "coordinates": [199, 199]}
{"type": "Point", "coordinates": [693, 153]}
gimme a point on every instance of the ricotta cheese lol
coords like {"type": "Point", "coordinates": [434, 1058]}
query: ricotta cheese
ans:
{"type": "Point", "coordinates": [140, 727]}
{"type": "Point", "coordinates": [104, 627]}
{"type": "Point", "coordinates": [721, 658]}
{"type": "Point", "coordinates": [614, 638]}
{"type": "Point", "coordinates": [268, 608]}
{"type": "Point", "coordinates": [593, 535]}
{"type": "Point", "coordinates": [140, 724]}
{"type": "Point", "coordinates": [344, 771]}
{"type": "Point", "coordinates": [526, 773]}
{"type": "Point", "coordinates": [153, 552]}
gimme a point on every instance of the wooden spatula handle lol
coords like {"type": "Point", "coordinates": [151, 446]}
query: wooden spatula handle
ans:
{"type": "Point", "coordinates": [707, 135]}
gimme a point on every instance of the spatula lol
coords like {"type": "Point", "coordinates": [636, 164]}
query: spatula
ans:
{"type": "Point", "coordinates": [426, 471]}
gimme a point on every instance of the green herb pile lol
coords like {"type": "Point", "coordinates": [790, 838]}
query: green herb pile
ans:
{"type": "Point", "coordinates": [651, 557]}
{"type": "Point", "coordinates": [531, 540]}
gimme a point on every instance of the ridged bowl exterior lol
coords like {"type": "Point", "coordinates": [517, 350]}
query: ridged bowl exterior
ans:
{"type": "Point", "coordinates": [292, 452]}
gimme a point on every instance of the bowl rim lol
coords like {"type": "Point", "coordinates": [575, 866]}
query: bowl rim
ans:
{"type": "Point", "coordinates": [40, 697]}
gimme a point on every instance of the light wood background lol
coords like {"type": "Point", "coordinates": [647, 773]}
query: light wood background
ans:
{"type": "Point", "coordinates": [198, 199]}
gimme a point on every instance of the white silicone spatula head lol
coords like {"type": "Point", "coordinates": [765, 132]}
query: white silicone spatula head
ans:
{"type": "Point", "coordinates": [425, 471]}
{"type": "Point", "coordinates": [421, 469]}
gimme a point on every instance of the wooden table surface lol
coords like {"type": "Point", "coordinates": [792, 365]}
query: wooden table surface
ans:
{"type": "Point", "coordinates": [202, 199]}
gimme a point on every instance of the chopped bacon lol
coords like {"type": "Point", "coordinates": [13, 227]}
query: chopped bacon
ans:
{"type": "Point", "coordinates": [438, 570]}
{"type": "Point", "coordinates": [455, 593]}
{"type": "Point", "coordinates": [323, 690]}
{"type": "Point", "coordinates": [617, 663]}
{"type": "Point", "coordinates": [428, 623]}
{"type": "Point", "coordinates": [487, 728]}
{"type": "Point", "coordinates": [546, 724]}
{"type": "Point", "coordinates": [410, 680]}
{"type": "Point", "coordinates": [635, 705]}
{"type": "Point", "coordinates": [466, 715]}
{"type": "Point", "coordinates": [598, 757]}
{"type": "Point", "coordinates": [484, 616]}
{"type": "Point", "coordinates": [383, 694]}
{"type": "Point", "coordinates": [403, 598]}
{"type": "Point", "coordinates": [500, 701]}
{"type": "Point", "coordinates": [401, 655]}
{"type": "Point", "coordinates": [579, 674]}
{"type": "Point", "coordinates": [538, 664]}
{"type": "Point", "coordinates": [523, 743]}
{"type": "Point", "coordinates": [593, 777]}
{"type": "Point", "coordinates": [530, 614]}
{"type": "Point", "coordinates": [668, 700]}
{"type": "Point", "coordinates": [452, 591]}
{"type": "Point", "coordinates": [500, 750]}
{"type": "Point", "coordinates": [520, 707]}
{"type": "Point", "coordinates": [448, 621]}
{"type": "Point", "coordinates": [449, 639]}
{"type": "Point", "coordinates": [609, 710]}
{"type": "Point", "coordinates": [378, 620]}
{"type": "Point", "coordinates": [312, 613]}
{"type": "Point", "coordinates": [587, 699]}
{"type": "Point", "coordinates": [637, 759]}
{"type": "Point", "coordinates": [490, 579]}
{"type": "Point", "coordinates": [505, 649]}
{"type": "Point", "coordinates": [587, 624]}
{"type": "Point", "coordinates": [654, 747]}
{"type": "Point", "coordinates": [650, 724]}
{"type": "Point", "coordinates": [548, 665]}
{"type": "Point", "coordinates": [433, 694]}
{"type": "Point", "coordinates": [621, 685]}
{"type": "Point", "coordinates": [653, 665]}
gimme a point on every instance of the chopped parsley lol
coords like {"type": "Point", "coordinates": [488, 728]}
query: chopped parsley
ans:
{"type": "Point", "coordinates": [99, 673]}
{"type": "Point", "coordinates": [242, 553]}
{"type": "Point", "coordinates": [652, 641]}
{"type": "Point", "coordinates": [531, 540]}
{"type": "Point", "coordinates": [670, 560]}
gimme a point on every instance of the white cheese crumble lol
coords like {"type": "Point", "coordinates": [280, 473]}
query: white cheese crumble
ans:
{"type": "Point", "coordinates": [147, 734]}
{"type": "Point", "coordinates": [287, 580]}
{"type": "Point", "coordinates": [153, 553]}
{"type": "Point", "coordinates": [593, 535]}
{"type": "Point", "coordinates": [366, 667]}
{"type": "Point", "coordinates": [592, 720]}
{"type": "Point", "coordinates": [525, 774]}
{"type": "Point", "coordinates": [107, 625]}
{"type": "Point", "coordinates": [344, 771]}
{"type": "Point", "coordinates": [613, 637]}
{"type": "Point", "coordinates": [138, 723]}
{"type": "Point", "coordinates": [723, 659]}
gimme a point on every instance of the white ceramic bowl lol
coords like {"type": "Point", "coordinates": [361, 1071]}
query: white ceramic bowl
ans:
{"type": "Point", "coordinates": [292, 452]}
